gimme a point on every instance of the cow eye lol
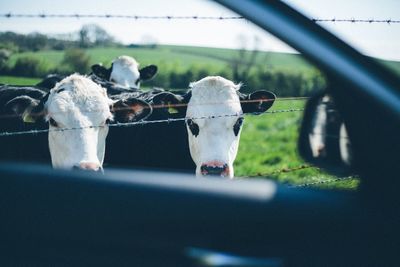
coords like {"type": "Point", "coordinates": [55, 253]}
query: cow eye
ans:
{"type": "Point", "coordinates": [194, 128]}
{"type": "Point", "coordinates": [53, 122]}
{"type": "Point", "coordinates": [238, 124]}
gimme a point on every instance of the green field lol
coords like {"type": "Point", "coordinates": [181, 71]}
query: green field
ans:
{"type": "Point", "coordinates": [182, 57]}
{"type": "Point", "coordinates": [177, 56]}
{"type": "Point", "coordinates": [268, 142]}
{"type": "Point", "coordinates": [18, 80]}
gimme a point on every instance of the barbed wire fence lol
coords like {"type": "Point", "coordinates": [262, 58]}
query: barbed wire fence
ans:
{"type": "Point", "coordinates": [11, 15]}
{"type": "Point", "coordinates": [170, 120]}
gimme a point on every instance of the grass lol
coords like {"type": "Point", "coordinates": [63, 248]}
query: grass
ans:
{"type": "Point", "coordinates": [269, 143]}
{"type": "Point", "coordinates": [18, 80]}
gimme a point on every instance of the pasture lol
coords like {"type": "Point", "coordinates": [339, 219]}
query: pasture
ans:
{"type": "Point", "coordinates": [183, 57]}
{"type": "Point", "coordinates": [268, 142]}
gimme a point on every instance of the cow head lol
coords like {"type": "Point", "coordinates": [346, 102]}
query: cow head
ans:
{"type": "Point", "coordinates": [78, 111]}
{"type": "Point", "coordinates": [125, 71]}
{"type": "Point", "coordinates": [214, 142]}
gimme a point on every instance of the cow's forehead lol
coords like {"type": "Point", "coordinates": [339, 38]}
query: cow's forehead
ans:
{"type": "Point", "coordinates": [78, 93]}
{"type": "Point", "coordinates": [125, 61]}
{"type": "Point", "coordinates": [214, 96]}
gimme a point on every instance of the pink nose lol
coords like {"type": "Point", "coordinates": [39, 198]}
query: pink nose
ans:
{"type": "Point", "coordinates": [216, 168]}
{"type": "Point", "coordinates": [89, 166]}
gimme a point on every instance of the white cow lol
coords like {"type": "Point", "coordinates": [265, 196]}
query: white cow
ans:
{"type": "Point", "coordinates": [82, 106]}
{"type": "Point", "coordinates": [214, 142]}
{"type": "Point", "coordinates": [125, 71]}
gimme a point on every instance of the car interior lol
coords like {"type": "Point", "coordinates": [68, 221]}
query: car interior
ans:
{"type": "Point", "coordinates": [147, 217]}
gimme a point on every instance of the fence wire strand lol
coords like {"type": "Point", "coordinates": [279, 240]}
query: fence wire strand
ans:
{"type": "Point", "coordinates": [338, 179]}
{"type": "Point", "coordinates": [161, 106]}
{"type": "Point", "coordinates": [129, 124]}
{"type": "Point", "coordinates": [297, 168]}
{"type": "Point", "coordinates": [10, 15]}
{"type": "Point", "coordinates": [279, 171]}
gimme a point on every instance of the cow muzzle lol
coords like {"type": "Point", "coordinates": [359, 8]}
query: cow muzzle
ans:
{"type": "Point", "coordinates": [88, 166]}
{"type": "Point", "coordinates": [215, 168]}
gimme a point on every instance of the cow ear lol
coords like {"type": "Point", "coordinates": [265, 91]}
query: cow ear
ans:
{"type": "Point", "coordinates": [23, 106]}
{"type": "Point", "coordinates": [259, 101]}
{"type": "Point", "coordinates": [172, 104]}
{"type": "Point", "coordinates": [130, 110]}
{"type": "Point", "coordinates": [148, 72]}
{"type": "Point", "coordinates": [101, 71]}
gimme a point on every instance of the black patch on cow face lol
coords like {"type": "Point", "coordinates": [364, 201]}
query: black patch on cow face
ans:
{"type": "Point", "coordinates": [237, 126]}
{"type": "Point", "coordinates": [194, 127]}
{"type": "Point", "coordinates": [148, 72]}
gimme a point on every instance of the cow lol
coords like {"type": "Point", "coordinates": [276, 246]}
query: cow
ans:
{"type": "Point", "coordinates": [124, 75]}
{"type": "Point", "coordinates": [327, 135]}
{"type": "Point", "coordinates": [208, 146]}
{"type": "Point", "coordinates": [76, 112]}
{"type": "Point", "coordinates": [125, 71]}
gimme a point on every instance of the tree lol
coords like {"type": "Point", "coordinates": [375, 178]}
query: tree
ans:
{"type": "Point", "coordinates": [77, 60]}
{"type": "Point", "coordinates": [245, 59]}
{"type": "Point", "coordinates": [92, 34]}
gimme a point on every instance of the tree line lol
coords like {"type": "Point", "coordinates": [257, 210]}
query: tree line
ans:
{"type": "Point", "coordinates": [241, 68]}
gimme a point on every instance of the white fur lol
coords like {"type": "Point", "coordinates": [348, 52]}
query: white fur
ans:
{"type": "Point", "coordinates": [82, 103]}
{"type": "Point", "coordinates": [216, 140]}
{"type": "Point", "coordinates": [346, 152]}
{"type": "Point", "coordinates": [317, 136]}
{"type": "Point", "coordinates": [125, 71]}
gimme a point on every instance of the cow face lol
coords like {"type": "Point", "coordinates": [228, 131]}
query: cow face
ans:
{"type": "Point", "coordinates": [214, 142]}
{"type": "Point", "coordinates": [125, 71]}
{"type": "Point", "coordinates": [82, 107]}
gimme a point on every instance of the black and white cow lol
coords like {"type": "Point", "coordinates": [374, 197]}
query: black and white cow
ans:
{"type": "Point", "coordinates": [208, 146]}
{"type": "Point", "coordinates": [125, 71]}
{"type": "Point", "coordinates": [74, 103]}
{"type": "Point", "coordinates": [328, 136]}
{"type": "Point", "coordinates": [124, 75]}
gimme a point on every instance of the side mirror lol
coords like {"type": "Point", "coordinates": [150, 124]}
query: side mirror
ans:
{"type": "Point", "coordinates": [323, 140]}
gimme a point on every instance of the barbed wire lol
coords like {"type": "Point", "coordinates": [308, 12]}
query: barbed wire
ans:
{"type": "Point", "coordinates": [119, 16]}
{"type": "Point", "coordinates": [161, 106]}
{"type": "Point", "coordinates": [338, 179]}
{"type": "Point", "coordinates": [297, 168]}
{"type": "Point", "coordinates": [129, 124]}
{"type": "Point", "coordinates": [193, 17]}
{"type": "Point", "coordinates": [279, 171]}
{"type": "Point", "coordinates": [353, 20]}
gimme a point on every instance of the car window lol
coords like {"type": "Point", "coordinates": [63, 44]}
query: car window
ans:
{"type": "Point", "coordinates": [187, 41]}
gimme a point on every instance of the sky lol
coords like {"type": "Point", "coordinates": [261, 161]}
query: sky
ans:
{"type": "Point", "coordinates": [378, 40]}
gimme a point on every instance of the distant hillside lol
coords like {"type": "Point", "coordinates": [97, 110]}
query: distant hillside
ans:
{"type": "Point", "coordinates": [182, 57]}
